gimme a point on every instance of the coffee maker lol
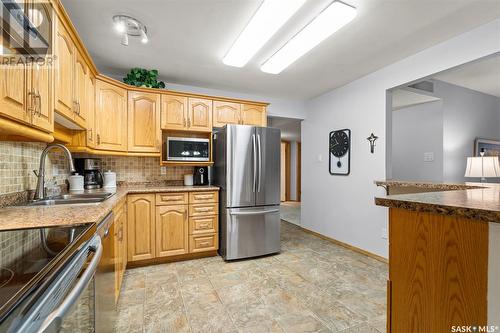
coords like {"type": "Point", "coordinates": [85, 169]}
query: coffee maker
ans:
{"type": "Point", "coordinates": [90, 168]}
{"type": "Point", "coordinates": [202, 176]}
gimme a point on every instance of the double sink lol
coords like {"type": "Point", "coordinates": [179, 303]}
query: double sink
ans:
{"type": "Point", "coordinates": [76, 198]}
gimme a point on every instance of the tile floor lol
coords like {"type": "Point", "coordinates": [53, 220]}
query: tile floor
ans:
{"type": "Point", "coordinates": [311, 286]}
{"type": "Point", "coordinates": [290, 212]}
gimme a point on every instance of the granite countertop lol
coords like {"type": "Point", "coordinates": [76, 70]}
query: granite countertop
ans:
{"type": "Point", "coordinates": [479, 201]}
{"type": "Point", "coordinates": [21, 217]}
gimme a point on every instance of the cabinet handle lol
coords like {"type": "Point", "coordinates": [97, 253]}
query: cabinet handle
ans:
{"type": "Point", "coordinates": [204, 209]}
{"type": "Point", "coordinates": [98, 139]}
{"type": "Point", "coordinates": [189, 122]}
{"type": "Point", "coordinates": [38, 106]}
{"type": "Point", "coordinates": [185, 123]}
{"type": "Point", "coordinates": [78, 108]}
{"type": "Point", "coordinates": [205, 243]}
{"type": "Point", "coordinates": [206, 196]}
{"type": "Point", "coordinates": [90, 134]}
{"type": "Point", "coordinates": [31, 102]}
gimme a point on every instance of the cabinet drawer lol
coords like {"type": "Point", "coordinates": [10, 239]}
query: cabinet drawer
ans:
{"type": "Point", "coordinates": [201, 243]}
{"type": "Point", "coordinates": [203, 224]}
{"type": "Point", "coordinates": [203, 209]}
{"type": "Point", "coordinates": [164, 199]}
{"type": "Point", "coordinates": [203, 197]}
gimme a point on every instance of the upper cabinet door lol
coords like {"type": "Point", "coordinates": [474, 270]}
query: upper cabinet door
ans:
{"type": "Point", "coordinates": [111, 117]}
{"type": "Point", "coordinates": [15, 101]}
{"type": "Point", "coordinates": [42, 85]}
{"type": "Point", "coordinates": [90, 107]}
{"type": "Point", "coordinates": [253, 115]}
{"type": "Point", "coordinates": [144, 134]}
{"type": "Point", "coordinates": [81, 74]}
{"type": "Point", "coordinates": [64, 72]}
{"type": "Point", "coordinates": [174, 112]}
{"type": "Point", "coordinates": [226, 113]}
{"type": "Point", "coordinates": [200, 115]}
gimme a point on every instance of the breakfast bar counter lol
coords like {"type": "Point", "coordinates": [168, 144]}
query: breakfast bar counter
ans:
{"type": "Point", "coordinates": [444, 255]}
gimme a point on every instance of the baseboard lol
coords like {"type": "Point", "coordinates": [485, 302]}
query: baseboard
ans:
{"type": "Point", "coordinates": [347, 246]}
{"type": "Point", "coordinates": [164, 260]}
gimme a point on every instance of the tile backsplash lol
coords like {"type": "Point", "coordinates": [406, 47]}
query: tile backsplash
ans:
{"type": "Point", "coordinates": [19, 159]}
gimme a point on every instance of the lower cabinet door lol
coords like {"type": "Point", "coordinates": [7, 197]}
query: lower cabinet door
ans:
{"type": "Point", "coordinates": [141, 226]}
{"type": "Point", "coordinates": [171, 230]}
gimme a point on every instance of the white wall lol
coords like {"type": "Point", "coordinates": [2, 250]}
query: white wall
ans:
{"type": "Point", "coordinates": [417, 130]}
{"type": "Point", "coordinates": [343, 207]}
{"type": "Point", "coordinates": [468, 114]}
{"type": "Point", "coordinates": [448, 128]}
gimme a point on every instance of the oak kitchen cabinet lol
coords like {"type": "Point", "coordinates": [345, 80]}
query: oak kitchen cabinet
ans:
{"type": "Point", "coordinates": [171, 230]}
{"type": "Point", "coordinates": [120, 245]}
{"type": "Point", "coordinates": [144, 134]}
{"type": "Point", "coordinates": [141, 227]}
{"type": "Point", "coordinates": [253, 115]}
{"type": "Point", "coordinates": [110, 117]}
{"type": "Point", "coordinates": [26, 92]}
{"type": "Point", "coordinates": [171, 224]}
{"type": "Point", "coordinates": [186, 113]}
{"type": "Point", "coordinates": [236, 113]}
{"type": "Point", "coordinates": [226, 113]}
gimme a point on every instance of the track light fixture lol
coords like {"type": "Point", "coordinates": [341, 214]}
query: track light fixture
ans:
{"type": "Point", "coordinates": [129, 26]}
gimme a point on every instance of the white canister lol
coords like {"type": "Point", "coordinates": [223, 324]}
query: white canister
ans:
{"type": "Point", "coordinates": [110, 179]}
{"type": "Point", "coordinates": [188, 180]}
{"type": "Point", "coordinates": [76, 182]}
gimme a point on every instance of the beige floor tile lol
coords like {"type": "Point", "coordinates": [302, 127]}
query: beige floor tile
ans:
{"type": "Point", "coordinates": [301, 322]}
{"type": "Point", "coordinates": [312, 286]}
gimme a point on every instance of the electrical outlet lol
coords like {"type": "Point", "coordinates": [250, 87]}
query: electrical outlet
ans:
{"type": "Point", "coordinates": [163, 170]}
{"type": "Point", "coordinates": [55, 170]}
{"type": "Point", "coordinates": [384, 233]}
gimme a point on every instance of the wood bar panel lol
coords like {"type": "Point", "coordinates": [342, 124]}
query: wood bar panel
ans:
{"type": "Point", "coordinates": [438, 269]}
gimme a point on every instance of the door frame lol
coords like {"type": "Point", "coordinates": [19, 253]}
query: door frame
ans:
{"type": "Point", "coordinates": [299, 171]}
{"type": "Point", "coordinates": [287, 168]}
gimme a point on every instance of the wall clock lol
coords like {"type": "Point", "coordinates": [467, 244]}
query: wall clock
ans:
{"type": "Point", "coordinates": [340, 152]}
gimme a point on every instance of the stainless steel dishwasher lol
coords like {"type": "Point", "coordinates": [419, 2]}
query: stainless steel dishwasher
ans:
{"type": "Point", "coordinates": [105, 308]}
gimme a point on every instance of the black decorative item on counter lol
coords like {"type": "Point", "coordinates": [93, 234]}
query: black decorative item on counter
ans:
{"type": "Point", "coordinates": [340, 152]}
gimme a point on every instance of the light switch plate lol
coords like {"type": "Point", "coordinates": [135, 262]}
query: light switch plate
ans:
{"type": "Point", "coordinates": [55, 170]}
{"type": "Point", "coordinates": [163, 170]}
{"type": "Point", "coordinates": [384, 233]}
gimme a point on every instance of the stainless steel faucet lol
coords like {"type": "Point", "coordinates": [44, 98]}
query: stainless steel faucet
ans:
{"type": "Point", "coordinates": [40, 185]}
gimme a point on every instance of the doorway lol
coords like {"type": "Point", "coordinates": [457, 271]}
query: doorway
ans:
{"type": "Point", "coordinates": [290, 174]}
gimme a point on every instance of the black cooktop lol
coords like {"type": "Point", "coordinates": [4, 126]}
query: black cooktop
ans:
{"type": "Point", "coordinates": [27, 256]}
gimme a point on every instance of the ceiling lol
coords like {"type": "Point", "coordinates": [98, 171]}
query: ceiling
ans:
{"type": "Point", "coordinates": [482, 76]}
{"type": "Point", "coordinates": [188, 39]}
{"type": "Point", "coordinates": [405, 97]}
{"type": "Point", "coordinates": [290, 128]}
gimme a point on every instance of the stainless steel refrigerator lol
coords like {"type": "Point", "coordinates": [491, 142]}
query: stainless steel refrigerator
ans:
{"type": "Point", "coordinates": [247, 170]}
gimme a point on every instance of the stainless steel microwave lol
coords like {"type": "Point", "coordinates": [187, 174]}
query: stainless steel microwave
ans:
{"type": "Point", "coordinates": [187, 149]}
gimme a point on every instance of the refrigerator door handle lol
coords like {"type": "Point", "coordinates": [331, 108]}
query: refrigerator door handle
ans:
{"type": "Point", "coordinates": [256, 212]}
{"type": "Point", "coordinates": [254, 163]}
{"type": "Point", "coordinates": [260, 162]}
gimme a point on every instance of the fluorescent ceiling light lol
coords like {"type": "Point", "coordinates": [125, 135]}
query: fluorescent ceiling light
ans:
{"type": "Point", "coordinates": [270, 16]}
{"type": "Point", "coordinates": [326, 23]}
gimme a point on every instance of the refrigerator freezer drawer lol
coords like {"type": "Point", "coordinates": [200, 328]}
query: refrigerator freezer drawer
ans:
{"type": "Point", "coordinates": [252, 232]}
